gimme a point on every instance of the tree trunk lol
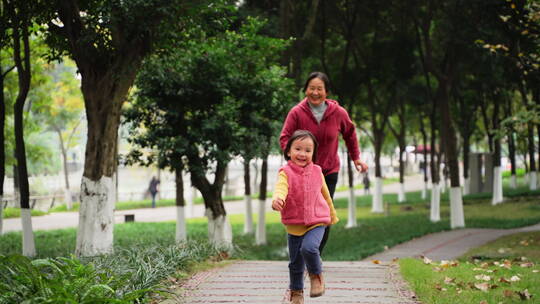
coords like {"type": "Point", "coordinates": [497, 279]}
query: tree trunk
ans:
{"type": "Point", "coordinates": [3, 140]}
{"type": "Point", "coordinates": [181, 231]}
{"type": "Point", "coordinates": [497, 196]}
{"type": "Point", "coordinates": [96, 220]}
{"type": "Point", "coordinates": [351, 214]}
{"type": "Point", "coordinates": [377, 198]}
{"type": "Point", "coordinates": [260, 236]}
{"type": "Point", "coordinates": [511, 145]}
{"type": "Point", "coordinates": [466, 152]}
{"type": "Point", "coordinates": [248, 221]}
{"type": "Point", "coordinates": [435, 200]}
{"type": "Point", "coordinates": [530, 139]}
{"type": "Point", "coordinates": [424, 153]}
{"type": "Point", "coordinates": [67, 192]}
{"type": "Point", "coordinates": [20, 34]}
{"type": "Point", "coordinates": [457, 218]}
{"type": "Point", "coordinates": [219, 228]}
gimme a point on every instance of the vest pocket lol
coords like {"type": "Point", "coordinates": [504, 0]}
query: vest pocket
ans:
{"type": "Point", "coordinates": [321, 208]}
{"type": "Point", "coordinates": [290, 211]}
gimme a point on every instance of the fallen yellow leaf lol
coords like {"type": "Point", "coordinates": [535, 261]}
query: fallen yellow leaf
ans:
{"type": "Point", "coordinates": [376, 261]}
{"type": "Point", "coordinates": [482, 286]}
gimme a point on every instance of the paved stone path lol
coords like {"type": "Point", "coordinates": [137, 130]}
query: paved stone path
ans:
{"type": "Point", "coordinates": [447, 245]}
{"type": "Point", "coordinates": [267, 281]}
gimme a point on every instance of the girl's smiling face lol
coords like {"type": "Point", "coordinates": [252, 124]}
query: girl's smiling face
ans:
{"type": "Point", "coordinates": [301, 152]}
{"type": "Point", "coordinates": [316, 91]}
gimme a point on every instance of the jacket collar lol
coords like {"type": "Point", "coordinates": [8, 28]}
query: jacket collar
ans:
{"type": "Point", "coordinates": [332, 107]}
{"type": "Point", "coordinates": [297, 169]}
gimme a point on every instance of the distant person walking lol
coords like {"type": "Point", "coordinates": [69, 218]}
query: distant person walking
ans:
{"type": "Point", "coordinates": [153, 189]}
{"type": "Point", "coordinates": [325, 119]}
{"type": "Point", "coordinates": [302, 197]}
{"type": "Point", "coordinates": [366, 183]}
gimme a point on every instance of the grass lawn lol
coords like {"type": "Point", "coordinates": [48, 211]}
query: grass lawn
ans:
{"type": "Point", "coordinates": [374, 232]}
{"type": "Point", "coordinates": [506, 270]}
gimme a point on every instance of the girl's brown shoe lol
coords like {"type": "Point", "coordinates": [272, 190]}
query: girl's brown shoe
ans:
{"type": "Point", "coordinates": [297, 296]}
{"type": "Point", "coordinates": [317, 285]}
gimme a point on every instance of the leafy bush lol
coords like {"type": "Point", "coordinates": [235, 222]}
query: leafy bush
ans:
{"type": "Point", "coordinates": [126, 276]}
{"type": "Point", "coordinates": [59, 280]}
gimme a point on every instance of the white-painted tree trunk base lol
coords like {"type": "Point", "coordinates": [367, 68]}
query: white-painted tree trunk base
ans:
{"type": "Point", "coordinates": [191, 201]}
{"type": "Point", "coordinates": [435, 206]}
{"type": "Point", "coordinates": [457, 218]}
{"type": "Point", "coordinates": [497, 196]}
{"type": "Point", "coordinates": [351, 220]}
{"type": "Point", "coordinates": [466, 186]}
{"type": "Point", "coordinates": [1, 214]}
{"type": "Point", "coordinates": [377, 199]}
{"type": "Point", "coordinates": [67, 199]}
{"type": "Point", "coordinates": [532, 180]}
{"type": "Point", "coordinates": [401, 193]}
{"type": "Point", "coordinates": [181, 231]}
{"type": "Point", "coordinates": [260, 235]}
{"type": "Point", "coordinates": [443, 186]}
{"type": "Point", "coordinates": [29, 245]}
{"type": "Point", "coordinates": [219, 230]}
{"type": "Point", "coordinates": [425, 190]}
{"type": "Point", "coordinates": [513, 181]}
{"type": "Point", "coordinates": [248, 221]}
{"type": "Point", "coordinates": [96, 219]}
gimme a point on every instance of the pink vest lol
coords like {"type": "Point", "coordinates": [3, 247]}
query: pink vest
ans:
{"type": "Point", "coordinates": [305, 204]}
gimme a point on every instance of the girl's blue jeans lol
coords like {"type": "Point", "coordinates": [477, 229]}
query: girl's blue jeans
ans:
{"type": "Point", "coordinates": [304, 252]}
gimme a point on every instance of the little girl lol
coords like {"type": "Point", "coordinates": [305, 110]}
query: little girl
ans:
{"type": "Point", "coordinates": [302, 197]}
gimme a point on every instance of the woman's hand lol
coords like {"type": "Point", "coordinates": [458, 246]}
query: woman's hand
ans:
{"type": "Point", "coordinates": [360, 166]}
{"type": "Point", "coordinates": [278, 204]}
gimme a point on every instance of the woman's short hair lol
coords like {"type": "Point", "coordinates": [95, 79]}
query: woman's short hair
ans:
{"type": "Point", "coordinates": [322, 76]}
{"type": "Point", "coordinates": [301, 134]}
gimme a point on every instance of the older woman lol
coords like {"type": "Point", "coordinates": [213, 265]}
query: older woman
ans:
{"type": "Point", "coordinates": [326, 119]}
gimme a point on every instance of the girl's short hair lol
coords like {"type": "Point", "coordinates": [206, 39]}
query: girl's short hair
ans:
{"type": "Point", "coordinates": [322, 76]}
{"type": "Point", "coordinates": [301, 134]}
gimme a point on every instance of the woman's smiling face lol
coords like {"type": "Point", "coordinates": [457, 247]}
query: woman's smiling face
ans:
{"type": "Point", "coordinates": [316, 91]}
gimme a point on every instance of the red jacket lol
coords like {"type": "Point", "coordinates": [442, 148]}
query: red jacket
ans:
{"type": "Point", "coordinates": [335, 120]}
{"type": "Point", "coordinates": [305, 204]}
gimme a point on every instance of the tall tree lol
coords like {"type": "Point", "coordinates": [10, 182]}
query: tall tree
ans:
{"type": "Point", "coordinates": [108, 40]}
{"type": "Point", "coordinates": [20, 18]}
{"type": "Point", "coordinates": [202, 91]}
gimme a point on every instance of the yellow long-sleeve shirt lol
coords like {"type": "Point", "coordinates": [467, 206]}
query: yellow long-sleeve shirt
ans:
{"type": "Point", "coordinates": [281, 191]}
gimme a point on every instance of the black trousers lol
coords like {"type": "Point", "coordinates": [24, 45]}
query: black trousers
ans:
{"type": "Point", "coordinates": [331, 182]}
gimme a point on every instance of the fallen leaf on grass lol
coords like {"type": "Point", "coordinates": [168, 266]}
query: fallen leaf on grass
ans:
{"type": "Point", "coordinates": [524, 295]}
{"type": "Point", "coordinates": [484, 302]}
{"type": "Point", "coordinates": [482, 286]}
{"type": "Point", "coordinates": [526, 265]}
{"type": "Point", "coordinates": [482, 277]}
{"type": "Point", "coordinates": [504, 280]}
{"type": "Point", "coordinates": [536, 271]}
{"type": "Point", "coordinates": [515, 278]}
{"type": "Point", "coordinates": [448, 280]}
{"type": "Point", "coordinates": [426, 260]}
{"type": "Point", "coordinates": [508, 293]}
{"type": "Point", "coordinates": [437, 269]}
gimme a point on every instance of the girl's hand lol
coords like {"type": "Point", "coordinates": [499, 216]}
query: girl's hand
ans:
{"type": "Point", "coordinates": [278, 204]}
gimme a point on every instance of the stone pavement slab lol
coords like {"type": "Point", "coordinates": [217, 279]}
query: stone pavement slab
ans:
{"type": "Point", "coordinates": [267, 282]}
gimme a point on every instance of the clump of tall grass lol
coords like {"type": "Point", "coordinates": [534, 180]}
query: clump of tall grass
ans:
{"type": "Point", "coordinates": [127, 276]}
